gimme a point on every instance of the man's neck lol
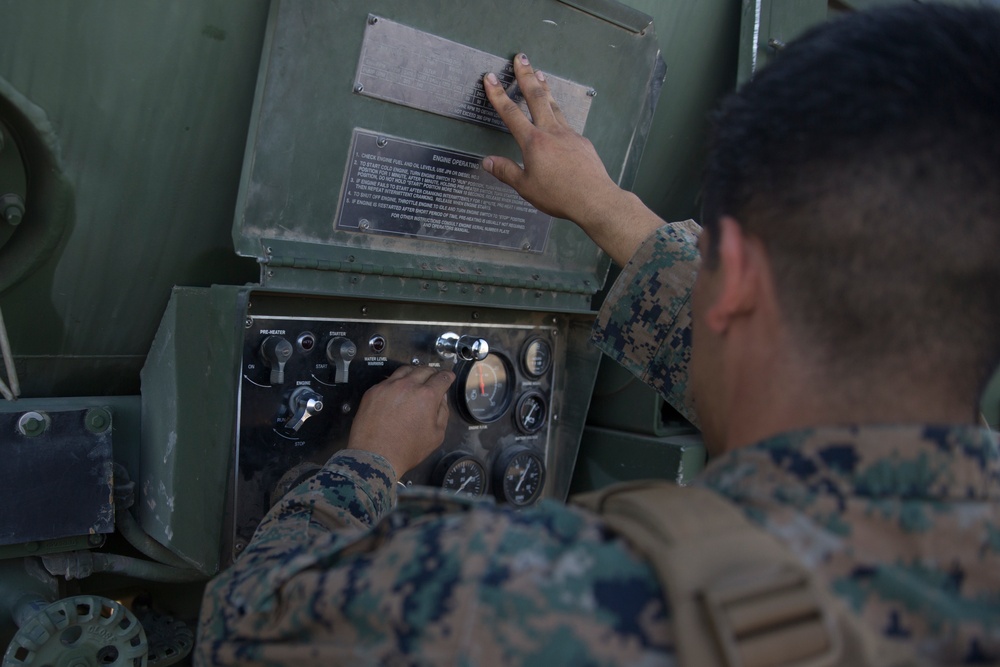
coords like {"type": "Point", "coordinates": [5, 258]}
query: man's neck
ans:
{"type": "Point", "coordinates": [786, 396]}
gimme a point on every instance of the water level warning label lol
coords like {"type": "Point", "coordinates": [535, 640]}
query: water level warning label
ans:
{"type": "Point", "coordinates": [404, 188]}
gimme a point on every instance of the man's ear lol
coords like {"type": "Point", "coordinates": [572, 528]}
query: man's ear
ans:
{"type": "Point", "coordinates": [739, 274]}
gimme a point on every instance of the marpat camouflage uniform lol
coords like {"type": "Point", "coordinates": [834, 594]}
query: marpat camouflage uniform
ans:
{"type": "Point", "coordinates": [900, 520]}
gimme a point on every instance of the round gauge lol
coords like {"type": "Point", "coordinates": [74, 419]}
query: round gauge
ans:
{"type": "Point", "coordinates": [485, 389]}
{"type": "Point", "coordinates": [518, 476]}
{"type": "Point", "coordinates": [537, 357]}
{"type": "Point", "coordinates": [459, 472]}
{"type": "Point", "coordinates": [531, 412]}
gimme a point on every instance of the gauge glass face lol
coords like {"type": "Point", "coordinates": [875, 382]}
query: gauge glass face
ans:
{"type": "Point", "coordinates": [531, 413]}
{"type": "Point", "coordinates": [467, 476]}
{"type": "Point", "coordinates": [537, 357]}
{"type": "Point", "coordinates": [486, 389]}
{"type": "Point", "coordinates": [522, 478]}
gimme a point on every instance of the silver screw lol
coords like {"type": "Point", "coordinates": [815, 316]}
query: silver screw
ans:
{"type": "Point", "coordinates": [415, 361]}
{"type": "Point", "coordinates": [364, 225]}
{"type": "Point", "coordinates": [358, 88]}
{"type": "Point", "coordinates": [248, 323]}
{"type": "Point", "coordinates": [372, 20]}
{"type": "Point", "coordinates": [32, 424]}
{"type": "Point", "coordinates": [345, 408]}
{"type": "Point", "coordinates": [526, 246]}
{"type": "Point", "coordinates": [381, 142]}
{"type": "Point", "coordinates": [239, 546]}
{"type": "Point", "coordinates": [591, 93]}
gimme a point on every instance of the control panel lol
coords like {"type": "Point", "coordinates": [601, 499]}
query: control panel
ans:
{"type": "Point", "coordinates": [303, 378]}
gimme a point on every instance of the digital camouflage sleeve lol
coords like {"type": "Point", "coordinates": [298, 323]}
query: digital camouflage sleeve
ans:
{"type": "Point", "coordinates": [333, 577]}
{"type": "Point", "coordinates": [645, 324]}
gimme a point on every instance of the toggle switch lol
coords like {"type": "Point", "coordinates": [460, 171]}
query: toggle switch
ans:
{"type": "Point", "coordinates": [304, 403]}
{"type": "Point", "coordinates": [275, 351]}
{"type": "Point", "coordinates": [467, 348]}
{"type": "Point", "coordinates": [340, 352]}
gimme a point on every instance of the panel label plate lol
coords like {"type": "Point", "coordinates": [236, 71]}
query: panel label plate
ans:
{"type": "Point", "coordinates": [405, 188]}
{"type": "Point", "coordinates": [423, 71]}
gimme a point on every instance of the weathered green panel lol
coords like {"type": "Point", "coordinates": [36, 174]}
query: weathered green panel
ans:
{"type": "Point", "coordinates": [309, 104]}
{"type": "Point", "coordinates": [189, 393]}
{"type": "Point", "coordinates": [149, 103]}
{"type": "Point", "coordinates": [609, 456]}
{"type": "Point", "coordinates": [769, 25]}
{"type": "Point", "coordinates": [991, 402]}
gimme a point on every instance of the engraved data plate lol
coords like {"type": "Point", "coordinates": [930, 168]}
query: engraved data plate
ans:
{"type": "Point", "coordinates": [420, 70]}
{"type": "Point", "coordinates": [404, 188]}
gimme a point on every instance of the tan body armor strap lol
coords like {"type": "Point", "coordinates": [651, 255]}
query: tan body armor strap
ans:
{"type": "Point", "coordinates": [737, 596]}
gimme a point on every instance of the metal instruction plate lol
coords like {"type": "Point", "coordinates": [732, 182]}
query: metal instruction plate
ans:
{"type": "Point", "coordinates": [405, 188]}
{"type": "Point", "coordinates": [417, 69]}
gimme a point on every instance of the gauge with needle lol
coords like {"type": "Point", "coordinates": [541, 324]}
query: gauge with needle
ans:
{"type": "Point", "coordinates": [461, 472]}
{"type": "Point", "coordinates": [518, 476]}
{"type": "Point", "coordinates": [484, 389]}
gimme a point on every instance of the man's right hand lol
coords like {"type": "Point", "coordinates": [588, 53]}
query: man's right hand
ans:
{"type": "Point", "coordinates": [563, 175]}
{"type": "Point", "coordinates": [404, 417]}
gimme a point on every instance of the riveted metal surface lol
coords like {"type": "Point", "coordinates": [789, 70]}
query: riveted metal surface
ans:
{"type": "Point", "coordinates": [58, 475]}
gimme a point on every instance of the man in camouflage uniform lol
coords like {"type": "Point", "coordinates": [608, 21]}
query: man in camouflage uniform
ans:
{"type": "Point", "coordinates": [845, 317]}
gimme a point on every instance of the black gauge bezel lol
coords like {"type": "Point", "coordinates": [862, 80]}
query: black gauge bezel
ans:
{"type": "Point", "coordinates": [516, 414]}
{"type": "Point", "coordinates": [450, 462]}
{"type": "Point", "coordinates": [504, 463]}
{"type": "Point", "coordinates": [461, 400]}
{"type": "Point", "coordinates": [526, 367]}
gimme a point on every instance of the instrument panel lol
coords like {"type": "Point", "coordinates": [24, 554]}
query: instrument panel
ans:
{"type": "Point", "coordinates": [303, 378]}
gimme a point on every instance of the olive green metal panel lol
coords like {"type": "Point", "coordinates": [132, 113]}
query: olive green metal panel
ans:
{"type": "Point", "coordinates": [621, 401]}
{"type": "Point", "coordinates": [148, 105]}
{"type": "Point", "coordinates": [699, 42]}
{"type": "Point", "coordinates": [769, 25]}
{"type": "Point", "coordinates": [608, 456]}
{"type": "Point", "coordinates": [309, 104]}
{"type": "Point", "coordinates": [991, 402]}
{"type": "Point", "coordinates": [189, 394]}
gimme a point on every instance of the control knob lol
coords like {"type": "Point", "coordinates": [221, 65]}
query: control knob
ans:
{"type": "Point", "coordinates": [275, 351]}
{"type": "Point", "coordinates": [304, 403]}
{"type": "Point", "coordinates": [466, 348]}
{"type": "Point", "coordinates": [340, 352]}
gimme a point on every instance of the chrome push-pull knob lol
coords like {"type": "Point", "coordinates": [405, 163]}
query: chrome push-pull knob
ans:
{"type": "Point", "coordinates": [466, 348]}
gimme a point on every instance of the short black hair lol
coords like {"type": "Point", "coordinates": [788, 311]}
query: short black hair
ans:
{"type": "Point", "coordinates": [867, 160]}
